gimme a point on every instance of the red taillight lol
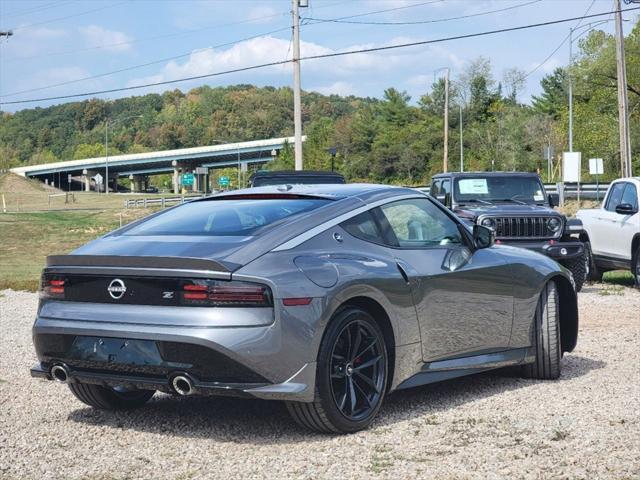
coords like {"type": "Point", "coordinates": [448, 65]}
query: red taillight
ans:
{"type": "Point", "coordinates": [52, 286]}
{"type": "Point", "coordinates": [214, 293]}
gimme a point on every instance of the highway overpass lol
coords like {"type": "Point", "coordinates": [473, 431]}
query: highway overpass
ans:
{"type": "Point", "coordinates": [86, 174]}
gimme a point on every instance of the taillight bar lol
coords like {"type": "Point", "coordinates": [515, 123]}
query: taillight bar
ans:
{"type": "Point", "coordinates": [216, 293]}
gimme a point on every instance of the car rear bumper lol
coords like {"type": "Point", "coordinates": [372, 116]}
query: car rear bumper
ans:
{"type": "Point", "coordinates": [559, 251]}
{"type": "Point", "coordinates": [271, 361]}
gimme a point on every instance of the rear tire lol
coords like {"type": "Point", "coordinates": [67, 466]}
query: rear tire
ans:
{"type": "Point", "coordinates": [106, 398]}
{"type": "Point", "coordinates": [595, 273]}
{"type": "Point", "coordinates": [351, 377]}
{"type": "Point", "coordinates": [546, 337]}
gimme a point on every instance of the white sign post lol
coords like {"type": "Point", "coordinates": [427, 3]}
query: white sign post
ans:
{"type": "Point", "coordinates": [571, 168]}
{"type": "Point", "coordinates": [596, 167]}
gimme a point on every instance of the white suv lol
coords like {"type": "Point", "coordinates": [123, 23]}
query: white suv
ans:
{"type": "Point", "coordinates": [612, 232]}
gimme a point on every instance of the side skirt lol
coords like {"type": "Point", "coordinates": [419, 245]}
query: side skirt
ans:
{"type": "Point", "coordinates": [460, 366]}
{"type": "Point", "coordinates": [612, 262]}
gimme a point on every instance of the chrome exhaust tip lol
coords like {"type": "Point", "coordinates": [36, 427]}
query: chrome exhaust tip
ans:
{"type": "Point", "coordinates": [182, 385]}
{"type": "Point", "coordinates": [59, 373]}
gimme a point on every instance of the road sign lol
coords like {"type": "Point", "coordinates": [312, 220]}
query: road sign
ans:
{"type": "Point", "coordinates": [187, 179]}
{"type": "Point", "coordinates": [202, 170]}
{"type": "Point", "coordinates": [571, 166]}
{"type": "Point", "coordinates": [223, 181]}
{"type": "Point", "coordinates": [98, 179]}
{"type": "Point", "coordinates": [596, 166]}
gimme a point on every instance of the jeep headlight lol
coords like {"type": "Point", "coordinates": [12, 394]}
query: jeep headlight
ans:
{"type": "Point", "coordinates": [489, 223]}
{"type": "Point", "coordinates": [554, 224]}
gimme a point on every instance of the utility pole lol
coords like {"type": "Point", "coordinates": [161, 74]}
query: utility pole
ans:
{"type": "Point", "coordinates": [570, 90]}
{"type": "Point", "coordinates": [297, 107]}
{"type": "Point", "coordinates": [445, 163]}
{"type": "Point", "coordinates": [623, 105]}
{"type": "Point", "coordinates": [461, 142]}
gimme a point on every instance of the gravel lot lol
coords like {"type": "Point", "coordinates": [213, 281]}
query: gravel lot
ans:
{"type": "Point", "coordinates": [586, 425]}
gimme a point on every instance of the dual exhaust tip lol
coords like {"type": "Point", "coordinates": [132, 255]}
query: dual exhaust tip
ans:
{"type": "Point", "coordinates": [182, 384]}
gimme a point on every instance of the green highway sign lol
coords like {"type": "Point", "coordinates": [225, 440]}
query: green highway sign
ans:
{"type": "Point", "coordinates": [223, 181]}
{"type": "Point", "coordinates": [187, 179]}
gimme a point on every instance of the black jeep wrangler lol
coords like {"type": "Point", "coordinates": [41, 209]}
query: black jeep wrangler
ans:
{"type": "Point", "coordinates": [516, 207]}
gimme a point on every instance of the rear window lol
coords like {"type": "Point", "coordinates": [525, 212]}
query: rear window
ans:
{"type": "Point", "coordinates": [224, 217]}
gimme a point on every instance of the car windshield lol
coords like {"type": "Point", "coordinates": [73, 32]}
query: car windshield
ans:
{"type": "Point", "coordinates": [238, 217]}
{"type": "Point", "coordinates": [494, 189]}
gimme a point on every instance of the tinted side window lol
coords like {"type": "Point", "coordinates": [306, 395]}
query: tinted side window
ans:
{"type": "Point", "coordinates": [419, 223]}
{"type": "Point", "coordinates": [630, 196]}
{"type": "Point", "coordinates": [364, 227]}
{"type": "Point", "coordinates": [615, 197]}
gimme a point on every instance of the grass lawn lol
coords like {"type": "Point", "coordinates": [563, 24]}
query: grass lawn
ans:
{"type": "Point", "coordinates": [27, 238]}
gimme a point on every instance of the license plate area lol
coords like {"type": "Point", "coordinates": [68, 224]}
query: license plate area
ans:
{"type": "Point", "coordinates": [116, 351]}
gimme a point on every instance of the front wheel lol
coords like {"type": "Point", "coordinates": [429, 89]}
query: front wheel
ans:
{"type": "Point", "coordinates": [594, 273]}
{"type": "Point", "coordinates": [351, 378]}
{"type": "Point", "coordinates": [106, 398]}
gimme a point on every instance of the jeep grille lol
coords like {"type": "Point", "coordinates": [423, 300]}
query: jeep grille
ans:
{"type": "Point", "coordinates": [525, 228]}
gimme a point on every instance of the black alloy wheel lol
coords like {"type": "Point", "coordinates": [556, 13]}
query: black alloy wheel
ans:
{"type": "Point", "coordinates": [357, 371]}
{"type": "Point", "coordinates": [351, 376]}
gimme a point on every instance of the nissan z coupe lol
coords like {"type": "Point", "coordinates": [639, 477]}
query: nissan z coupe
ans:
{"type": "Point", "coordinates": [327, 297]}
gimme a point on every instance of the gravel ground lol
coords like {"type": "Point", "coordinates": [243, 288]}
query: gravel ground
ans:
{"type": "Point", "coordinates": [586, 425]}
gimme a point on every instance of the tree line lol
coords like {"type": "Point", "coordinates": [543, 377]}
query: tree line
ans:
{"type": "Point", "coordinates": [394, 139]}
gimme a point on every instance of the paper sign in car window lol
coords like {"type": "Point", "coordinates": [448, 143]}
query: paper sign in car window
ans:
{"type": "Point", "coordinates": [476, 186]}
{"type": "Point", "coordinates": [538, 196]}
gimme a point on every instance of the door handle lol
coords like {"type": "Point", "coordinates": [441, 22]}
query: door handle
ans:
{"type": "Point", "coordinates": [403, 273]}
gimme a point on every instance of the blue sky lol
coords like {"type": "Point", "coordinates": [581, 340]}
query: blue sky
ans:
{"type": "Point", "coordinates": [67, 40]}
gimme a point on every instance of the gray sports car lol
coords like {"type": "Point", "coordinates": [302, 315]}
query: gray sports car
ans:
{"type": "Point", "coordinates": [327, 297]}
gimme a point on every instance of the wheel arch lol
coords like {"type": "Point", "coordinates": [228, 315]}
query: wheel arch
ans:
{"type": "Point", "coordinates": [383, 320]}
{"type": "Point", "coordinates": [568, 313]}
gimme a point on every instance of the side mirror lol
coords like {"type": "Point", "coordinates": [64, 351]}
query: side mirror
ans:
{"type": "Point", "coordinates": [483, 237]}
{"type": "Point", "coordinates": [625, 209]}
{"type": "Point", "coordinates": [553, 199]}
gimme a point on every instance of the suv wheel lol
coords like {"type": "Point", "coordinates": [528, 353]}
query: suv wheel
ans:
{"type": "Point", "coordinates": [547, 337]}
{"type": "Point", "coordinates": [580, 268]}
{"type": "Point", "coordinates": [351, 378]}
{"type": "Point", "coordinates": [636, 267]}
{"type": "Point", "coordinates": [106, 398]}
{"type": "Point", "coordinates": [594, 273]}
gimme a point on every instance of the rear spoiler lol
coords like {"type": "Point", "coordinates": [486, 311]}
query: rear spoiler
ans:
{"type": "Point", "coordinates": [126, 261]}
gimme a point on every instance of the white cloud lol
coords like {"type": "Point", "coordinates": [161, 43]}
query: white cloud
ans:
{"type": "Point", "coordinates": [336, 88]}
{"type": "Point", "coordinates": [111, 40]}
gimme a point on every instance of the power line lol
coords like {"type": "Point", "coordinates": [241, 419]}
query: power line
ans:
{"type": "Point", "coordinates": [134, 67]}
{"type": "Point", "coordinates": [421, 22]}
{"type": "Point", "coordinates": [316, 57]}
{"type": "Point", "coordinates": [564, 40]}
{"type": "Point", "coordinates": [27, 11]}
{"type": "Point", "coordinates": [86, 12]}
{"type": "Point", "coordinates": [187, 54]}
{"type": "Point", "coordinates": [155, 37]}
